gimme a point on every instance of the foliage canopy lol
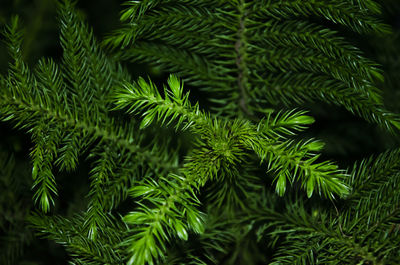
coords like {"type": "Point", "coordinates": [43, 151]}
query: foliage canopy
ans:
{"type": "Point", "coordinates": [173, 182]}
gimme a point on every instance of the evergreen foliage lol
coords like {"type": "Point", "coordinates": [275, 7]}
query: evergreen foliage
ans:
{"type": "Point", "coordinates": [14, 197]}
{"type": "Point", "coordinates": [235, 182]}
{"type": "Point", "coordinates": [253, 54]}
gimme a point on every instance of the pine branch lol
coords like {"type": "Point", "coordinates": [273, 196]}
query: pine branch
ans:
{"type": "Point", "coordinates": [56, 111]}
{"type": "Point", "coordinates": [69, 234]}
{"type": "Point", "coordinates": [173, 213]}
{"type": "Point", "coordinates": [363, 229]}
{"type": "Point", "coordinates": [96, 216]}
{"type": "Point", "coordinates": [241, 58]}
{"type": "Point", "coordinates": [311, 85]}
{"type": "Point", "coordinates": [237, 136]}
{"type": "Point", "coordinates": [46, 142]}
{"type": "Point", "coordinates": [318, 234]}
{"type": "Point", "coordinates": [337, 11]}
{"type": "Point", "coordinates": [369, 172]}
{"type": "Point", "coordinates": [15, 201]}
{"type": "Point", "coordinates": [307, 35]}
{"type": "Point", "coordinates": [233, 62]}
{"type": "Point", "coordinates": [199, 69]}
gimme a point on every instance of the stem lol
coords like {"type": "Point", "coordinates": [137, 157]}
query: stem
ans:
{"type": "Point", "coordinates": [241, 56]}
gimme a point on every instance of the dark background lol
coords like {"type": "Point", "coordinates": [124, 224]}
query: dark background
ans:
{"type": "Point", "coordinates": [347, 137]}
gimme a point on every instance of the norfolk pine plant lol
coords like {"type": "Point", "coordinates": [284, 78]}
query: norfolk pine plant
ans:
{"type": "Point", "coordinates": [231, 180]}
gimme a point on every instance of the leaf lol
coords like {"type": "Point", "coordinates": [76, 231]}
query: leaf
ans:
{"type": "Point", "coordinates": [180, 230]}
{"type": "Point", "coordinates": [310, 186]}
{"type": "Point", "coordinates": [315, 146]}
{"type": "Point", "coordinates": [175, 86]}
{"type": "Point", "coordinates": [140, 190]}
{"type": "Point", "coordinates": [195, 221]}
{"type": "Point", "coordinates": [281, 185]}
{"type": "Point", "coordinates": [147, 120]}
{"type": "Point", "coordinates": [303, 119]}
